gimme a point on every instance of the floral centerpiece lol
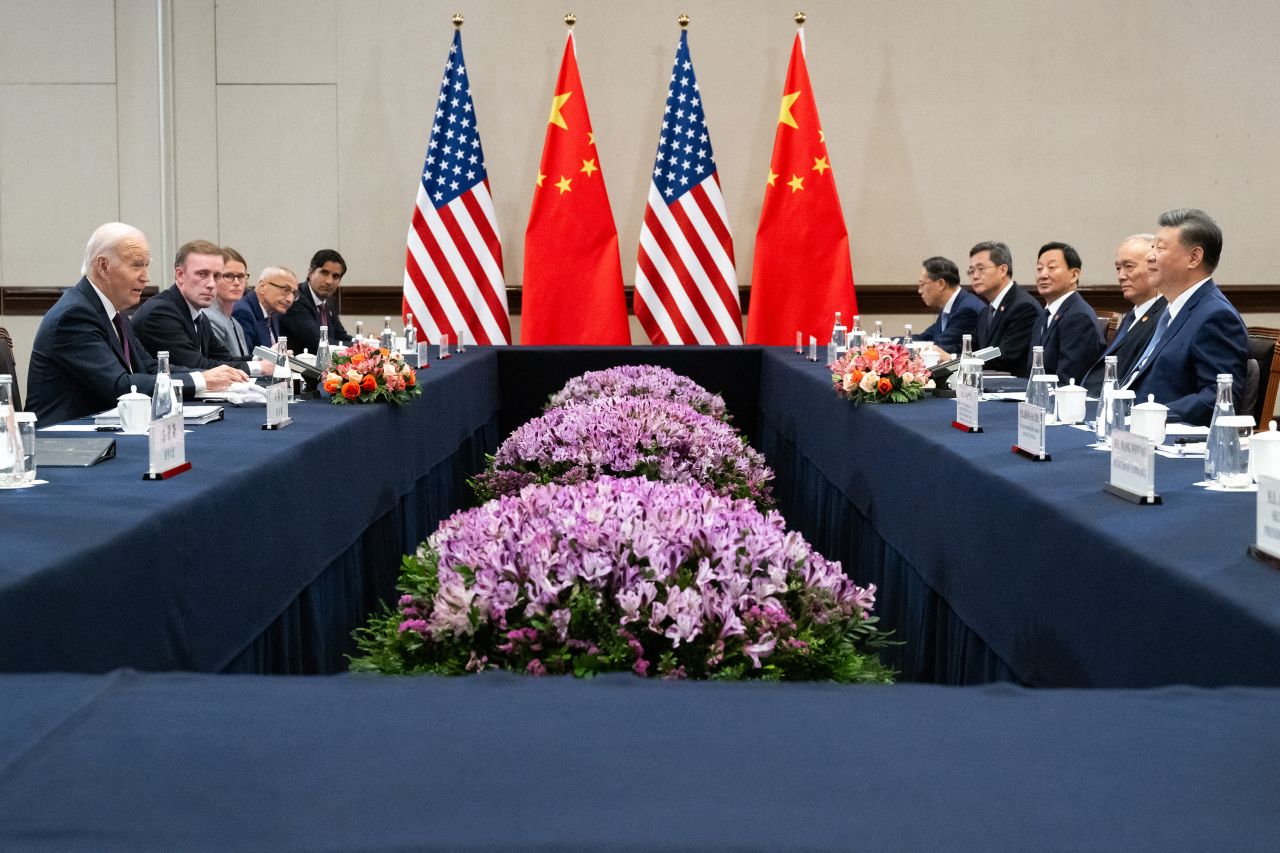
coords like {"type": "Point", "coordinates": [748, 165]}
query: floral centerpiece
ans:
{"type": "Point", "coordinates": [663, 579]}
{"type": "Point", "coordinates": [640, 380]}
{"type": "Point", "coordinates": [627, 437]}
{"type": "Point", "coordinates": [879, 373]}
{"type": "Point", "coordinates": [362, 373]}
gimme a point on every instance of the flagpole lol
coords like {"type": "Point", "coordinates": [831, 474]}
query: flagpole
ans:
{"type": "Point", "coordinates": [800, 18]}
{"type": "Point", "coordinates": [457, 20]}
{"type": "Point", "coordinates": [683, 21]}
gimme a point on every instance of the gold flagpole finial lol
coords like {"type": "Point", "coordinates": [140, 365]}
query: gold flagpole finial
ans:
{"type": "Point", "coordinates": [457, 19]}
{"type": "Point", "coordinates": [683, 21]}
{"type": "Point", "coordinates": [800, 18]}
{"type": "Point", "coordinates": [570, 19]}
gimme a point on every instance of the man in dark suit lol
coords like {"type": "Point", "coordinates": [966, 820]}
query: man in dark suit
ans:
{"type": "Point", "coordinates": [260, 311]}
{"type": "Point", "coordinates": [174, 319]}
{"type": "Point", "coordinates": [958, 309]}
{"type": "Point", "coordinates": [1136, 326]}
{"type": "Point", "coordinates": [1068, 331]}
{"type": "Point", "coordinates": [1200, 335]}
{"type": "Point", "coordinates": [316, 305]}
{"type": "Point", "coordinates": [86, 353]}
{"type": "Point", "coordinates": [1011, 313]}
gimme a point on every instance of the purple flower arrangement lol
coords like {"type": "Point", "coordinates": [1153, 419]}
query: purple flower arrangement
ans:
{"type": "Point", "coordinates": [654, 438]}
{"type": "Point", "coordinates": [659, 578]}
{"type": "Point", "coordinates": [640, 380]}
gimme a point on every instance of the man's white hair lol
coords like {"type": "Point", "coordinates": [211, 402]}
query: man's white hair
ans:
{"type": "Point", "coordinates": [106, 241]}
{"type": "Point", "coordinates": [267, 272]}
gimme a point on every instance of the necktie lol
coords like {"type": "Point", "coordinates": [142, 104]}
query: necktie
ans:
{"type": "Point", "coordinates": [122, 329]}
{"type": "Point", "coordinates": [1151, 348]}
{"type": "Point", "coordinates": [271, 327]}
{"type": "Point", "coordinates": [324, 313]}
{"type": "Point", "coordinates": [942, 321]}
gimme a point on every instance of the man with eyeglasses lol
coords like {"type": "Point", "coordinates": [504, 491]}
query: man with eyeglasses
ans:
{"type": "Point", "coordinates": [174, 320]}
{"type": "Point", "coordinates": [316, 306]}
{"type": "Point", "coordinates": [939, 288]}
{"type": "Point", "coordinates": [260, 311]}
{"type": "Point", "coordinates": [1011, 313]}
{"type": "Point", "coordinates": [226, 331]}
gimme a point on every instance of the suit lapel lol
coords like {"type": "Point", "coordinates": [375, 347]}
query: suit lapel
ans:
{"type": "Point", "coordinates": [95, 304]}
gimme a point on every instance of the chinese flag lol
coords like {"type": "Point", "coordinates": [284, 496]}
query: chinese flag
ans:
{"type": "Point", "coordinates": [801, 274]}
{"type": "Point", "coordinates": [572, 271]}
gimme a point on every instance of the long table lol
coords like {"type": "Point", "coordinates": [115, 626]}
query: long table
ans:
{"type": "Point", "coordinates": [503, 762]}
{"type": "Point", "coordinates": [990, 567]}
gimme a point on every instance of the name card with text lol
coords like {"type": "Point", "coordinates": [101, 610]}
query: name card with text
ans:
{"type": "Point", "coordinates": [1268, 541]}
{"type": "Point", "coordinates": [1133, 466]}
{"type": "Point", "coordinates": [1031, 430]}
{"type": "Point", "coordinates": [166, 444]}
{"type": "Point", "coordinates": [967, 408]}
{"type": "Point", "coordinates": [277, 403]}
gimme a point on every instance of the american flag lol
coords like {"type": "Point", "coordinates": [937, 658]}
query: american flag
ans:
{"type": "Point", "coordinates": [686, 287]}
{"type": "Point", "coordinates": [453, 268]}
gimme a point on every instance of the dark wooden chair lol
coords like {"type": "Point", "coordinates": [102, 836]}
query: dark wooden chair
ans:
{"type": "Point", "coordinates": [9, 366]}
{"type": "Point", "coordinates": [1263, 351]}
{"type": "Point", "coordinates": [1108, 325]}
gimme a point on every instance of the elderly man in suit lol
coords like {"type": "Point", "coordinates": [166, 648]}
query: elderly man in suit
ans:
{"type": "Point", "coordinates": [86, 353]}
{"type": "Point", "coordinates": [939, 288]}
{"type": "Point", "coordinates": [1068, 331]}
{"type": "Point", "coordinates": [1200, 335]}
{"type": "Point", "coordinates": [260, 311]}
{"type": "Point", "coordinates": [1135, 328]}
{"type": "Point", "coordinates": [174, 320]}
{"type": "Point", "coordinates": [1011, 313]}
{"type": "Point", "coordinates": [315, 305]}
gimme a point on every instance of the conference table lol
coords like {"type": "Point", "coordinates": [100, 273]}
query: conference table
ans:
{"type": "Point", "coordinates": [990, 568]}
{"type": "Point", "coordinates": [275, 545]}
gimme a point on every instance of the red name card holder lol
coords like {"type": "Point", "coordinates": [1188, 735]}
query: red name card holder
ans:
{"type": "Point", "coordinates": [966, 427]}
{"type": "Point", "coordinates": [1034, 457]}
{"type": "Point", "coordinates": [170, 473]}
{"type": "Point", "coordinates": [166, 448]}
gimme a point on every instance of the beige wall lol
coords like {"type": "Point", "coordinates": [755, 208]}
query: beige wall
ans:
{"type": "Point", "coordinates": [302, 123]}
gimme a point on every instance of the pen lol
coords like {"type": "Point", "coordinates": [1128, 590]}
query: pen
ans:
{"type": "Point", "coordinates": [108, 429]}
{"type": "Point", "coordinates": [1187, 439]}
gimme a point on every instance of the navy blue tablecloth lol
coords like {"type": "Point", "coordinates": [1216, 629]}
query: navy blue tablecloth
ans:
{"type": "Point", "coordinates": [262, 557]}
{"type": "Point", "coordinates": [1064, 584]}
{"type": "Point", "coordinates": [189, 762]}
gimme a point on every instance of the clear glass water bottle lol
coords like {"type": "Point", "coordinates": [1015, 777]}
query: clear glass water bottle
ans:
{"type": "Point", "coordinates": [906, 338]}
{"type": "Point", "coordinates": [857, 337]}
{"type": "Point", "coordinates": [839, 339]}
{"type": "Point", "coordinates": [1037, 369]}
{"type": "Point", "coordinates": [410, 334]}
{"type": "Point", "coordinates": [879, 331]}
{"type": "Point", "coordinates": [282, 372]}
{"type": "Point", "coordinates": [387, 339]}
{"type": "Point", "coordinates": [1102, 414]}
{"type": "Point", "coordinates": [359, 330]}
{"type": "Point", "coordinates": [966, 357]}
{"type": "Point", "coordinates": [324, 356]}
{"type": "Point", "coordinates": [10, 439]}
{"type": "Point", "coordinates": [1218, 440]}
{"type": "Point", "coordinates": [162, 394]}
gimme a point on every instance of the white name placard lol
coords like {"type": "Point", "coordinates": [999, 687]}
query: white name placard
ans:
{"type": "Point", "coordinates": [813, 348]}
{"type": "Point", "coordinates": [277, 403]}
{"type": "Point", "coordinates": [967, 406]}
{"type": "Point", "coordinates": [1268, 540]}
{"type": "Point", "coordinates": [1031, 429]}
{"type": "Point", "coordinates": [1133, 467]}
{"type": "Point", "coordinates": [166, 441]}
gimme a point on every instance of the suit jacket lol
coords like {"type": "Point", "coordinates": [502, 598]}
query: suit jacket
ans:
{"type": "Point", "coordinates": [1126, 346]}
{"type": "Point", "coordinates": [1010, 329]}
{"type": "Point", "coordinates": [164, 323]}
{"type": "Point", "coordinates": [224, 331]}
{"type": "Point", "coordinates": [77, 362]}
{"type": "Point", "coordinates": [1205, 339]}
{"type": "Point", "coordinates": [1070, 339]}
{"type": "Point", "coordinates": [302, 322]}
{"type": "Point", "coordinates": [9, 365]}
{"type": "Point", "coordinates": [257, 330]}
{"type": "Point", "coordinates": [962, 320]}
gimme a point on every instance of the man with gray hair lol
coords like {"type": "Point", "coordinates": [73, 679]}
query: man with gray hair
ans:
{"type": "Point", "coordinates": [1200, 335]}
{"type": "Point", "coordinates": [86, 353]}
{"type": "Point", "coordinates": [1011, 313]}
{"type": "Point", "coordinates": [1136, 327]}
{"type": "Point", "coordinates": [260, 311]}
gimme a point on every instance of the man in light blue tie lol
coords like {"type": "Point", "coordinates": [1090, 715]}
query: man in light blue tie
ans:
{"type": "Point", "coordinates": [939, 287]}
{"type": "Point", "coordinates": [1200, 334]}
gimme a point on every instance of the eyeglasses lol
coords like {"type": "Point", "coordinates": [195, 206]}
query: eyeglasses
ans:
{"type": "Point", "coordinates": [979, 269]}
{"type": "Point", "coordinates": [232, 276]}
{"type": "Point", "coordinates": [292, 291]}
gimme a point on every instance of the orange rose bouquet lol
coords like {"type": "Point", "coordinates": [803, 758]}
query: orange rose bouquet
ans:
{"type": "Point", "coordinates": [880, 373]}
{"type": "Point", "coordinates": [362, 373]}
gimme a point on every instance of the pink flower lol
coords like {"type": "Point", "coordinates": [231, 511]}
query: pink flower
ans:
{"type": "Point", "coordinates": [764, 648]}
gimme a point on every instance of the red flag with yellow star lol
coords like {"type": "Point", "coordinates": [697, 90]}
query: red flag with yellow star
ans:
{"type": "Point", "coordinates": [801, 274]}
{"type": "Point", "coordinates": [572, 271]}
